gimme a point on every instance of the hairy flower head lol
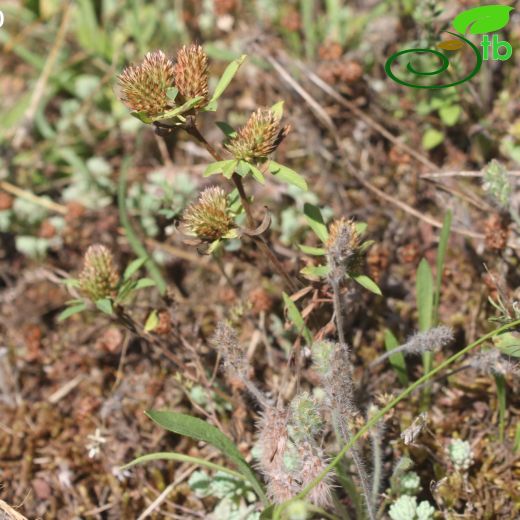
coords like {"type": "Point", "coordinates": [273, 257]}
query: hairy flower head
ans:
{"type": "Point", "coordinates": [342, 247]}
{"type": "Point", "coordinates": [99, 277]}
{"type": "Point", "coordinates": [144, 86]}
{"type": "Point", "coordinates": [191, 74]}
{"type": "Point", "coordinates": [209, 218]}
{"type": "Point", "coordinates": [259, 137]}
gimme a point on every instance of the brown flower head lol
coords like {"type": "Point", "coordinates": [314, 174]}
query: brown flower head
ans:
{"type": "Point", "coordinates": [191, 74]}
{"type": "Point", "coordinates": [144, 86]}
{"type": "Point", "coordinates": [259, 137]}
{"type": "Point", "coordinates": [99, 277]}
{"type": "Point", "coordinates": [342, 247]}
{"type": "Point", "coordinates": [209, 218]}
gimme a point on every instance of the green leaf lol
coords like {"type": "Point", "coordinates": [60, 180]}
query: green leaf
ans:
{"type": "Point", "coordinates": [105, 305]}
{"type": "Point", "coordinates": [226, 78]}
{"type": "Point", "coordinates": [450, 114]}
{"type": "Point", "coordinates": [367, 283]}
{"type": "Point", "coordinates": [152, 321]}
{"type": "Point", "coordinates": [257, 174]}
{"type": "Point", "coordinates": [483, 19]}
{"type": "Point", "coordinates": [70, 311]}
{"type": "Point", "coordinates": [229, 169]}
{"type": "Point", "coordinates": [424, 288]}
{"type": "Point", "coordinates": [143, 117]}
{"type": "Point", "coordinates": [432, 138]}
{"type": "Point", "coordinates": [171, 93]}
{"type": "Point", "coordinates": [133, 267]}
{"type": "Point", "coordinates": [243, 168]}
{"type": "Point", "coordinates": [285, 174]}
{"type": "Point", "coordinates": [508, 344]}
{"type": "Point", "coordinates": [170, 114]}
{"type": "Point", "coordinates": [424, 296]}
{"type": "Point", "coordinates": [211, 106]}
{"type": "Point", "coordinates": [217, 167]}
{"type": "Point", "coordinates": [360, 227]}
{"type": "Point", "coordinates": [397, 360]}
{"type": "Point", "coordinates": [227, 130]}
{"type": "Point", "coordinates": [181, 457]}
{"type": "Point", "coordinates": [315, 271]}
{"type": "Point", "coordinates": [314, 251]}
{"type": "Point", "coordinates": [297, 319]}
{"type": "Point", "coordinates": [200, 430]}
{"type": "Point", "coordinates": [441, 256]}
{"type": "Point", "coordinates": [277, 109]}
{"type": "Point", "coordinates": [142, 283]}
{"type": "Point", "coordinates": [315, 221]}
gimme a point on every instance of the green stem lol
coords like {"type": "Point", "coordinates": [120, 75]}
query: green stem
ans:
{"type": "Point", "coordinates": [405, 393]}
{"type": "Point", "coordinates": [180, 457]}
{"type": "Point", "coordinates": [136, 245]}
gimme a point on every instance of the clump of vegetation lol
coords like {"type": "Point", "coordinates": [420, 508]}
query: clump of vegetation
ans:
{"type": "Point", "coordinates": [290, 340]}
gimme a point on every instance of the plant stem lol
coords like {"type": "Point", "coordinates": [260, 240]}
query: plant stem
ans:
{"type": "Point", "coordinates": [192, 130]}
{"type": "Point", "coordinates": [346, 433]}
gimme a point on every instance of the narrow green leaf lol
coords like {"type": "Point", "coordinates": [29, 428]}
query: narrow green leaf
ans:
{"type": "Point", "coordinates": [217, 167]}
{"type": "Point", "coordinates": [142, 116]}
{"type": "Point", "coordinates": [152, 321]}
{"type": "Point", "coordinates": [441, 256]}
{"type": "Point", "coordinates": [297, 319]}
{"type": "Point", "coordinates": [516, 443]}
{"type": "Point", "coordinates": [508, 344]}
{"type": "Point", "coordinates": [226, 78]}
{"type": "Point", "coordinates": [143, 283]}
{"type": "Point", "coordinates": [105, 305]}
{"type": "Point", "coordinates": [285, 174]}
{"type": "Point", "coordinates": [315, 221]}
{"type": "Point", "coordinates": [315, 271]}
{"type": "Point", "coordinates": [70, 311]}
{"type": "Point", "coordinates": [227, 129]}
{"type": "Point", "coordinates": [424, 290]}
{"type": "Point", "coordinates": [314, 251]}
{"type": "Point", "coordinates": [257, 174]}
{"type": "Point", "coordinates": [180, 457]}
{"type": "Point", "coordinates": [368, 283]}
{"type": "Point", "coordinates": [211, 106]}
{"type": "Point", "coordinates": [200, 430]}
{"type": "Point", "coordinates": [133, 267]}
{"type": "Point", "coordinates": [397, 360]}
{"type": "Point", "coordinates": [170, 114]}
{"type": "Point", "coordinates": [277, 109]}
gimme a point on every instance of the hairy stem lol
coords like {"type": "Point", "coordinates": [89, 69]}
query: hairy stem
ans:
{"type": "Point", "coordinates": [344, 430]}
{"type": "Point", "coordinates": [346, 436]}
{"type": "Point", "coordinates": [263, 245]}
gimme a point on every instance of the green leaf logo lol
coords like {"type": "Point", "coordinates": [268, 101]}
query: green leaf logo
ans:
{"type": "Point", "coordinates": [484, 19]}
